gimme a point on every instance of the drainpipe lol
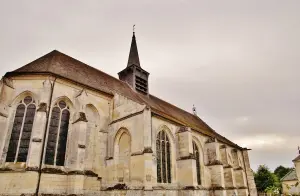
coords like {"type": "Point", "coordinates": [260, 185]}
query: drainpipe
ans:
{"type": "Point", "coordinates": [43, 143]}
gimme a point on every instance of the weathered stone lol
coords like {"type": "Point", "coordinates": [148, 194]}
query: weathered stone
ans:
{"type": "Point", "coordinates": [117, 187]}
{"type": "Point", "coordinates": [101, 137]}
{"type": "Point", "coordinates": [42, 107]}
{"type": "Point", "coordinates": [36, 139]}
{"type": "Point", "coordinates": [8, 82]}
{"type": "Point", "coordinates": [80, 117]}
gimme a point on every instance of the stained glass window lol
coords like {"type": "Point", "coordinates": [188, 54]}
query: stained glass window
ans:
{"type": "Point", "coordinates": [163, 156]}
{"type": "Point", "coordinates": [57, 134]}
{"type": "Point", "coordinates": [21, 131]}
{"type": "Point", "coordinates": [197, 157]}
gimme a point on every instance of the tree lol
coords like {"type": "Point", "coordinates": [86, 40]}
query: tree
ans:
{"type": "Point", "coordinates": [265, 178]}
{"type": "Point", "coordinates": [281, 171]}
{"type": "Point", "coordinates": [273, 190]}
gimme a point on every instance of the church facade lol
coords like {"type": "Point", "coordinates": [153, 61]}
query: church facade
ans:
{"type": "Point", "coordinates": [70, 129]}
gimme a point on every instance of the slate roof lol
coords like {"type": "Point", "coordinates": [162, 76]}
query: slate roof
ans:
{"type": "Point", "coordinates": [61, 65]}
{"type": "Point", "coordinates": [297, 158]}
{"type": "Point", "coordinates": [292, 175]}
{"type": "Point", "coordinates": [133, 58]}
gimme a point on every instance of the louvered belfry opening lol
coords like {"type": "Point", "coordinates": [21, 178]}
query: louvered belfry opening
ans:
{"type": "Point", "coordinates": [57, 134]}
{"type": "Point", "coordinates": [21, 131]}
{"type": "Point", "coordinates": [141, 81]}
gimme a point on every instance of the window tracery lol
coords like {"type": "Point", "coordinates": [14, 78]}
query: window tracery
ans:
{"type": "Point", "coordinates": [21, 131]}
{"type": "Point", "coordinates": [163, 155]}
{"type": "Point", "coordinates": [57, 134]}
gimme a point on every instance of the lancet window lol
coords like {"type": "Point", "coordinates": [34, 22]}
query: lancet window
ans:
{"type": "Point", "coordinates": [21, 131]}
{"type": "Point", "coordinates": [57, 134]}
{"type": "Point", "coordinates": [163, 155]}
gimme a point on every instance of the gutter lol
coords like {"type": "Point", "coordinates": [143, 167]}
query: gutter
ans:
{"type": "Point", "coordinates": [103, 91]}
{"type": "Point", "coordinates": [178, 123]}
{"type": "Point", "coordinates": [43, 143]}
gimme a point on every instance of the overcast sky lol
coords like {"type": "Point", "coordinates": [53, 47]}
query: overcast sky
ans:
{"type": "Point", "coordinates": [237, 61]}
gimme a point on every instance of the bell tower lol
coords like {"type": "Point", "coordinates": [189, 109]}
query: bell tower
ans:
{"type": "Point", "coordinates": [133, 74]}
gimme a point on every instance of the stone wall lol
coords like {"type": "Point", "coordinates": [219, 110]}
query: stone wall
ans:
{"type": "Point", "coordinates": [111, 147]}
{"type": "Point", "coordinates": [297, 167]}
{"type": "Point", "coordinates": [288, 187]}
{"type": "Point", "coordinates": [40, 89]}
{"type": "Point", "coordinates": [17, 183]}
{"type": "Point", "coordinates": [250, 175]}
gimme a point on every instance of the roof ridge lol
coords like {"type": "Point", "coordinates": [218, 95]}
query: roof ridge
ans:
{"type": "Point", "coordinates": [89, 66]}
{"type": "Point", "coordinates": [51, 60]}
{"type": "Point", "coordinates": [116, 79]}
{"type": "Point", "coordinates": [39, 58]}
{"type": "Point", "coordinates": [287, 174]}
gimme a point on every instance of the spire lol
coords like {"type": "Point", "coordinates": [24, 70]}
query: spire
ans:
{"type": "Point", "coordinates": [133, 55]}
{"type": "Point", "coordinates": [133, 74]}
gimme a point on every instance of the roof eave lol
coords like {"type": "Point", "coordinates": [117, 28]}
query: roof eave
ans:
{"type": "Point", "coordinates": [12, 74]}
{"type": "Point", "coordinates": [165, 116]}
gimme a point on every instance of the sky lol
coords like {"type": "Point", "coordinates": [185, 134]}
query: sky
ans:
{"type": "Point", "coordinates": [236, 60]}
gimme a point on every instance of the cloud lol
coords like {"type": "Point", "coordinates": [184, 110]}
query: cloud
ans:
{"type": "Point", "coordinates": [242, 120]}
{"type": "Point", "coordinates": [262, 141]}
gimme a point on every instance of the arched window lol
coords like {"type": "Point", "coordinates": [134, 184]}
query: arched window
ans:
{"type": "Point", "coordinates": [197, 157]}
{"type": "Point", "coordinates": [163, 156]}
{"type": "Point", "coordinates": [124, 158]}
{"type": "Point", "coordinates": [92, 116]}
{"type": "Point", "coordinates": [57, 134]}
{"type": "Point", "coordinates": [21, 131]}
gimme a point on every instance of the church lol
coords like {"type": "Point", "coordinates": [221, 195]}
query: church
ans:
{"type": "Point", "coordinates": [70, 129]}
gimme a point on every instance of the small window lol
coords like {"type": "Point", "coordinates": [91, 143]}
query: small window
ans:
{"type": "Point", "coordinates": [21, 131]}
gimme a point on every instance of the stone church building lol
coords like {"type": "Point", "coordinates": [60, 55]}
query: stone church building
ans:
{"type": "Point", "coordinates": [69, 129]}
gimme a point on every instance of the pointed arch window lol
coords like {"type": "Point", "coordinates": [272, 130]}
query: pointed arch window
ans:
{"type": "Point", "coordinates": [57, 134]}
{"type": "Point", "coordinates": [124, 152]}
{"type": "Point", "coordinates": [163, 156]}
{"type": "Point", "coordinates": [197, 157]}
{"type": "Point", "coordinates": [21, 131]}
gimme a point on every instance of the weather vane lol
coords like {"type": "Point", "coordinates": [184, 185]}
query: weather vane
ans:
{"type": "Point", "coordinates": [133, 28]}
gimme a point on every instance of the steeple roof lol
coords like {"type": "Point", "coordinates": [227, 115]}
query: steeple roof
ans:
{"type": "Point", "coordinates": [133, 55]}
